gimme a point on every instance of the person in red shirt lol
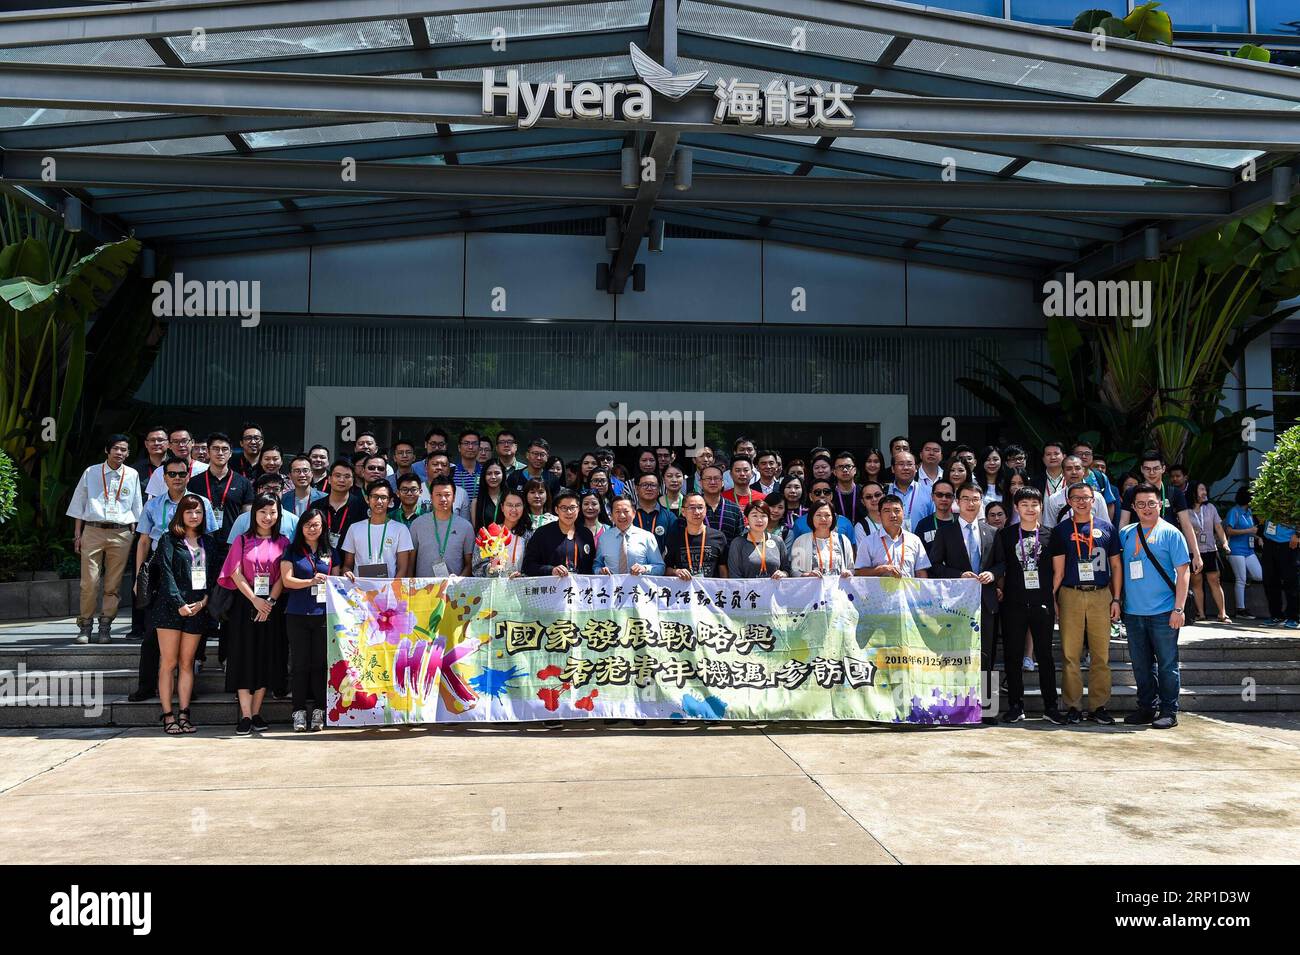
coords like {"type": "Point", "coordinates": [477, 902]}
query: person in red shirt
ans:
{"type": "Point", "coordinates": [740, 493]}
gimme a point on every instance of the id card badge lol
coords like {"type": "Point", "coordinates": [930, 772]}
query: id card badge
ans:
{"type": "Point", "coordinates": [198, 578]}
{"type": "Point", "coordinates": [113, 510]}
{"type": "Point", "coordinates": [318, 591]}
{"type": "Point", "coordinates": [907, 524]}
{"type": "Point", "coordinates": [261, 585]}
{"type": "Point", "coordinates": [334, 540]}
{"type": "Point", "coordinates": [440, 569]}
{"type": "Point", "coordinates": [1270, 529]}
{"type": "Point", "coordinates": [1031, 579]}
{"type": "Point", "coordinates": [1135, 570]}
{"type": "Point", "coordinates": [1085, 572]}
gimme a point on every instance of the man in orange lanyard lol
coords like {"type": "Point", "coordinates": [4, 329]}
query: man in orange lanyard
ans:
{"type": "Point", "coordinates": [1086, 583]}
{"type": "Point", "coordinates": [693, 548]}
{"type": "Point", "coordinates": [650, 514]}
{"type": "Point", "coordinates": [894, 552]}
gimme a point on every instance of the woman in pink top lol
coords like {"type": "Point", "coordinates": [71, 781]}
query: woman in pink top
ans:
{"type": "Point", "coordinates": [255, 640]}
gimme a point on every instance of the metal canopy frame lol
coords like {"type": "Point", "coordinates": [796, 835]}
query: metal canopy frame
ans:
{"type": "Point", "coordinates": [1053, 175]}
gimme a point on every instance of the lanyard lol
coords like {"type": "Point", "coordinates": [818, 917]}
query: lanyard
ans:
{"type": "Point", "coordinates": [830, 553]}
{"type": "Point", "coordinates": [654, 521]}
{"type": "Point", "coordinates": [704, 538]}
{"type": "Point", "coordinates": [853, 502]}
{"type": "Point", "coordinates": [317, 561]}
{"type": "Point", "coordinates": [1077, 540]}
{"type": "Point", "coordinates": [762, 555]}
{"type": "Point", "coordinates": [869, 525]}
{"type": "Point", "coordinates": [1054, 486]}
{"type": "Point", "coordinates": [496, 505]}
{"type": "Point", "coordinates": [574, 564]}
{"type": "Point", "coordinates": [442, 545]}
{"type": "Point", "coordinates": [902, 550]}
{"type": "Point", "coordinates": [197, 556]}
{"type": "Point", "coordinates": [329, 516]}
{"type": "Point", "coordinates": [722, 509]}
{"type": "Point", "coordinates": [911, 497]}
{"type": "Point", "coordinates": [121, 482]}
{"type": "Point", "coordinates": [230, 479]}
{"type": "Point", "coordinates": [370, 546]}
{"type": "Point", "coordinates": [1033, 551]}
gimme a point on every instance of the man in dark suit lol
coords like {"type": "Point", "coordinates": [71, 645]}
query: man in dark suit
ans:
{"type": "Point", "coordinates": [966, 548]}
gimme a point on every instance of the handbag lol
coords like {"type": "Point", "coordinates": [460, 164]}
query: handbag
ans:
{"type": "Point", "coordinates": [220, 600]}
{"type": "Point", "coordinates": [148, 579]}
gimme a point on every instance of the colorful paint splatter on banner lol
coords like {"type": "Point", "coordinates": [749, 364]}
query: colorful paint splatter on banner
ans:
{"type": "Point", "coordinates": [459, 649]}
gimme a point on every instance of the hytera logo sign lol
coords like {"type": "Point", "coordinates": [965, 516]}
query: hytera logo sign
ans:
{"type": "Point", "coordinates": [587, 100]}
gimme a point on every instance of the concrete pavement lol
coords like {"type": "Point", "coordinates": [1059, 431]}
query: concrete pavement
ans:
{"type": "Point", "coordinates": [1213, 790]}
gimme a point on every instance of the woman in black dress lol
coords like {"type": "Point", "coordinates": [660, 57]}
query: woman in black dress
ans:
{"type": "Point", "coordinates": [253, 655]}
{"type": "Point", "coordinates": [186, 557]}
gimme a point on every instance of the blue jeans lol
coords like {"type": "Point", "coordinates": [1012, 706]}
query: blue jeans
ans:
{"type": "Point", "coordinates": [1153, 648]}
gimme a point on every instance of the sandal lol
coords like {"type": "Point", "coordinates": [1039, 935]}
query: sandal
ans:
{"type": "Point", "coordinates": [183, 718]}
{"type": "Point", "coordinates": [173, 728]}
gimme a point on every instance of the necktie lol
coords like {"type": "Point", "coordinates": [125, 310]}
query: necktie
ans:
{"type": "Point", "coordinates": [973, 548]}
{"type": "Point", "coordinates": [622, 552]}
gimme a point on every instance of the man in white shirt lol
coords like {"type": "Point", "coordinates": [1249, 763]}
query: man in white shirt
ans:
{"type": "Point", "coordinates": [106, 506]}
{"type": "Point", "coordinates": [931, 458]}
{"type": "Point", "coordinates": [895, 552]}
{"type": "Point", "coordinates": [1073, 470]}
{"type": "Point", "coordinates": [378, 547]}
{"type": "Point", "coordinates": [179, 442]}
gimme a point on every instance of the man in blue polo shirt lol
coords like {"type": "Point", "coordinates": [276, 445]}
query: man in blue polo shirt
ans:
{"type": "Point", "coordinates": [1157, 570]}
{"type": "Point", "coordinates": [1086, 582]}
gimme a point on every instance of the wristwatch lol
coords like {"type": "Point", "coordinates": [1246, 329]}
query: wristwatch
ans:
{"type": "Point", "coordinates": [1180, 610]}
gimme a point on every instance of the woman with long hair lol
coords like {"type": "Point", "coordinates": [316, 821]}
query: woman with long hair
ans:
{"type": "Point", "coordinates": [539, 507]}
{"type": "Point", "coordinates": [255, 652]}
{"type": "Point", "coordinates": [491, 492]}
{"type": "Point", "coordinates": [956, 471]}
{"type": "Point", "coordinates": [792, 491]}
{"type": "Point", "coordinates": [821, 552]}
{"type": "Point", "coordinates": [1013, 479]}
{"type": "Point", "coordinates": [646, 463]}
{"type": "Point", "coordinates": [511, 561]}
{"type": "Point", "coordinates": [599, 482]}
{"type": "Point", "coordinates": [1210, 537]}
{"type": "Point", "coordinates": [873, 467]}
{"type": "Point", "coordinates": [187, 557]}
{"type": "Point", "coordinates": [586, 464]}
{"type": "Point", "coordinates": [304, 570]}
{"type": "Point", "coordinates": [593, 516]}
{"type": "Point", "coordinates": [989, 473]}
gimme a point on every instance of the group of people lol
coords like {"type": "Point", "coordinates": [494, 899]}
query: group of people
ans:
{"type": "Point", "coordinates": [236, 544]}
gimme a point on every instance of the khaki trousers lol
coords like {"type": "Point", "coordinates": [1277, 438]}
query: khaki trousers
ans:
{"type": "Point", "coordinates": [104, 555]}
{"type": "Point", "coordinates": [1085, 611]}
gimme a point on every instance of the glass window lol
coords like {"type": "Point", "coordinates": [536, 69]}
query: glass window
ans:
{"type": "Point", "coordinates": [1286, 412]}
{"type": "Point", "coordinates": [292, 41]}
{"type": "Point", "coordinates": [1052, 12]}
{"type": "Point", "coordinates": [1208, 16]}
{"type": "Point", "coordinates": [539, 21]}
{"type": "Point", "coordinates": [1286, 369]}
{"type": "Point", "coordinates": [988, 8]}
{"type": "Point", "coordinates": [1277, 16]}
{"type": "Point", "coordinates": [843, 42]}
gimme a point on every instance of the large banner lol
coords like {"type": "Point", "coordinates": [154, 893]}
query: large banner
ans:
{"type": "Point", "coordinates": [460, 649]}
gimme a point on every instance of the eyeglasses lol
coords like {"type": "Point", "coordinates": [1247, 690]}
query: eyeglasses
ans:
{"type": "Point", "coordinates": [567, 508]}
{"type": "Point", "coordinates": [176, 474]}
{"type": "Point", "coordinates": [876, 497]}
{"type": "Point", "coordinates": [1075, 499]}
{"type": "Point", "coordinates": [1146, 505]}
{"type": "Point", "coordinates": [946, 495]}
{"type": "Point", "coordinates": [845, 467]}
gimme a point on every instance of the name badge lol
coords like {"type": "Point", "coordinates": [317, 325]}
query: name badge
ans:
{"type": "Point", "coordinates": [1270, 528]}
{"type": "Point", "coordinates": [318, 591]}
{"type": "Point", "coordinates": [1135, 570]}
{"type": "Point", "coordinates": [1085, 572]}
{"type": "Point", "coordinates": [261, 585]}
{"type": "Point", "coordinates": [907, 524]}
{"type": "Point", "coordinates": [1031, 579]}
{"type": "Point", "coordinates": [199, 578]}
{"type": "Point", "coordinates": [334, 540]}
{"type": "Point", "coordinates": [113, 510]}
{"type": "Point", "coordinates": [440, 569]}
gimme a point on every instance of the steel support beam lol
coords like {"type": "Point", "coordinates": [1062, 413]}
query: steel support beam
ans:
{"type": "Point", "coordinates": [368, 98]}
{"type": "Point", "coordinates": [287, 177]}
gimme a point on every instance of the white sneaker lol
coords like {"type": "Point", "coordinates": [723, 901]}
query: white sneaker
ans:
{"type": "Point", "coordinates": [300, 721]}
{"type": "Point", "coordinates": [317, 720]}
{"type": "Point", "coordinates": [1028, 665]}
{"type": "Point", "coordinates": [83, 636]}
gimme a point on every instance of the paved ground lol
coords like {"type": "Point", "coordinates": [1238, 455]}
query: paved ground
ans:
{"type": "Point", "coordinates": [1211, 791]}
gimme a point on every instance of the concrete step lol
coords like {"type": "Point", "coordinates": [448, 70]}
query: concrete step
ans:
{"type": "Point", "coordinates": [118, 682]}
{"type": "Point", "coordinates": [206, 712]}
{"type": "Point", "coordinates": [1267, 698]}
{"type": "Point", "coordinates": [1204, 673]}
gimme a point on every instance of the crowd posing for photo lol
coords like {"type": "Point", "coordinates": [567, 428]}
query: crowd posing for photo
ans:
{"type": "Point", "coordinates": [232, 544]}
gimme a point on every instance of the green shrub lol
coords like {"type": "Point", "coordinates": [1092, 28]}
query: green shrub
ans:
{"type": "Point", "coordinates": [1276, 491]}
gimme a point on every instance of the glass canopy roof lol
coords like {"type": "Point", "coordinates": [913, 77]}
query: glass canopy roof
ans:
{"type": "Point", "coordinates": [1050, 146]}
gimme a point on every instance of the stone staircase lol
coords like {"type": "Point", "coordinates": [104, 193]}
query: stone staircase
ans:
{"type": "Point", "coordinates": [1224, 669]}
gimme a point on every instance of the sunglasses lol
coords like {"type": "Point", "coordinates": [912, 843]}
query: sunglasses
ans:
{"type": "Point", "coordinates": [943, 494]}
{"type": "Point", "coordinates": [177, 474]}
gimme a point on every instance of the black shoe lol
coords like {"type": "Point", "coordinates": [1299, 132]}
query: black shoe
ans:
{"type": "Point", "coordinates": [1139, 718]}
{"type": "Point", "coordinates": [244, 726]}
{"type": "Point", "coordinates": [139, 696]}
{"type": "Point", "coordinates": [1013, 715]}
{"type": "Point", "coordinates": [280, 694]}
{"type": "Point", "coordinates": [1054, 716]}
{"type": "Point", "coordinates": [1165, 721]}
{"type": "Point", "coordinates": [1073, 716]}
{"type": "Point", "coordinates": [1099, 715]}
{"type": "Point", "coordinates": [259, 724]}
